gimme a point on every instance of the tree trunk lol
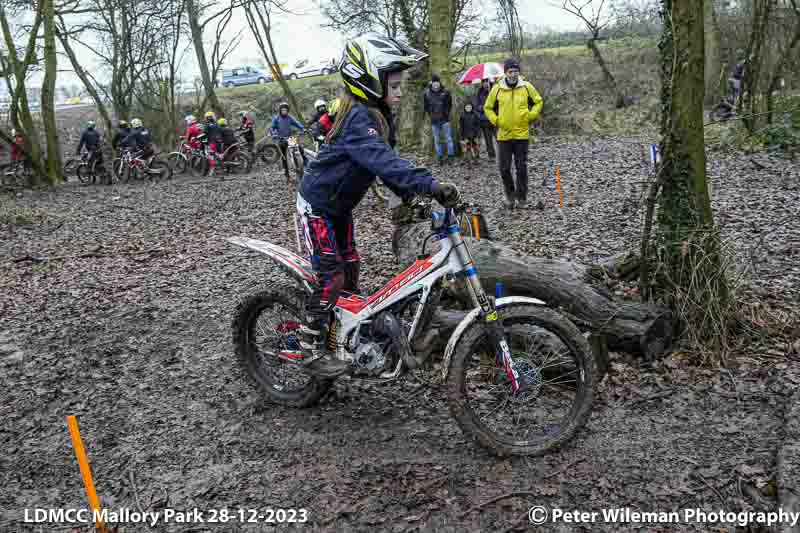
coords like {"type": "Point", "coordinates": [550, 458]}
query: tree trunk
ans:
{"type": "Point", "coordinates": [440, 20]}
{"type": "Point", "coordinates": [755, 62]}
{"type": "Point", "coordinates": [610, 80]}
{"type": "Point", "coordinates": [712, 53]}
{"type": "Point", "coordinates": [778, 72]}
{"type": "Point", "coordinates": [54, 167]}
{"type": "Point", "coordinates": [687, 238]}
{"type": "Point", "coordinates": [638, 328]}
{"type": "Point", "coordinates": [193, 16]}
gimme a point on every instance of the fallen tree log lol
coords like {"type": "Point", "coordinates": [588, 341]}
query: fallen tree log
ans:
{"type": "Point", "coordinates": [642, 329]}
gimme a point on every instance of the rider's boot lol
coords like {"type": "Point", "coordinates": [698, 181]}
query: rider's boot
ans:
{"type": "Point", "coordinates": [314, 355]}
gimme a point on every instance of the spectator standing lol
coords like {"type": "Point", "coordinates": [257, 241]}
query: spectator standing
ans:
{"type": "Point", "coordinates": [437, 103]}
{"type": "Point", "coordinates": [469, 128]}
{"type": "Point", "coordinates": [511, 106]}
{"type": "Point", "coordinates": [488, 131]}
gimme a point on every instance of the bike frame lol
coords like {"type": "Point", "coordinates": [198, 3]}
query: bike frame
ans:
{"type": "Point", "coordinates": [353, 312]}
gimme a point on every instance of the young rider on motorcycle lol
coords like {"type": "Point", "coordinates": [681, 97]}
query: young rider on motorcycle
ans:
{"type": "Point", "coordinates": [358, 148]}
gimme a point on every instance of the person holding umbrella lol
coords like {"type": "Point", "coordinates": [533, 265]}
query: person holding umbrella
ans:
{"type": "Point", "coordinates": [487, 129]}
{"type": "Point", "coordinates": [511, 106]}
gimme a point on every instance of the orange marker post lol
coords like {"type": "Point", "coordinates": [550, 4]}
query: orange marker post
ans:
{"type": "Point", "coordinates": [558, 188]}
{"type": "Point", "coordinates": [476, 227]}
{"type": "Point", "coordinates": [86, 471]}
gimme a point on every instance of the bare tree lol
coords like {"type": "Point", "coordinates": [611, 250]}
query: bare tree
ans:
{"type": "Point", "coordinates": [357, 16]}
{"type": "Point", "coordinates": [200, 17]}
{"type": "Point", "coordinates": [754, 64]}
{"type": "Point", "coordinates": [259, 18]}
{"type": "Point", "coordinates": [691, 279]}
{"type": "Point", "coordinates": [89, 82]}
{"type": "Point", "coordinates": [593, 15]}
{"type": "Point", "coordinates": [509, 18]}
{"type": "Point", "coordinates": [18, 66]}
{"type": "Point", "coordinates": [792, 49]}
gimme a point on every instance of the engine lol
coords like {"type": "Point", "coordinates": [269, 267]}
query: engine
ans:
{"type": "Point", "coordinates": [370, 357]}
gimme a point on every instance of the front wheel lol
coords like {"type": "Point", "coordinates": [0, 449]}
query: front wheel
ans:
{"type": "Point", "coordinates": [263, 325]}
{"type": "Point", "coordinates": [269, 154]}
{"type": "Point", "coordinates": [556, 372]}
{"type": "Point", "coordinates": [122, 172]}
{"type": "Point", "coordinates": [158, 170]}
{"type": "Point", "coordinates": [297, 160]}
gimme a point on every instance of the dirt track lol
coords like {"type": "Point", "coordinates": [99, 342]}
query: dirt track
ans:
{"type": "Point", "coordinates": [134, 338]}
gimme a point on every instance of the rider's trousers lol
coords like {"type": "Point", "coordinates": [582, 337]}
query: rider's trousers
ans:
{"type": "Point", "coordinates": [331, 243]}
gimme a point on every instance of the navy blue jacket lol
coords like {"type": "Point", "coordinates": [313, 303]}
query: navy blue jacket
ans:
{"type": "Point", "coordinates": [338, 179]}
{"type": "Point", "coordinates": [120, 138]}
{"type": "Point", "coordinates": [283, 125]}
{"type": "Point", "coordinates": [90, 139]}
{"type": "Point", "coordinates": [138, 138]}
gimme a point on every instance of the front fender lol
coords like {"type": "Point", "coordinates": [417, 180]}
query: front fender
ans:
{"type": "Point", "coordinates": [295, 266]}
{"type": "Point", "coordinates": [471, 319]}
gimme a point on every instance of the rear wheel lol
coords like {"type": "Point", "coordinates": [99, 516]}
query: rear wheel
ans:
{"type": "Point", "coordinates": [263, 325]}
{"type": "Point", "coordinates": [177, 162]}
{"type": "Point", "coordinates": [198, 166]}
{"type": "Point", "coordinates": [238, 163]}
{"type": "Point", "coordinates": [84, 173]}
{"type": "Point", "coordinates": [557, 373]}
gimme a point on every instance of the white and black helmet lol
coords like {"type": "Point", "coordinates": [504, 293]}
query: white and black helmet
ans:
{"type": "Point", "coordinates": [320, 103]}
{"type": "Point", "coordinates": [369, 59]}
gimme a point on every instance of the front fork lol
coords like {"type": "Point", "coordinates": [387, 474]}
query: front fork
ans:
{"type": "Point", "coordinates": [488, 311]}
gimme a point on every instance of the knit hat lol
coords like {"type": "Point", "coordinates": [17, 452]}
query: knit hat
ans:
{"type": "Point", "coordinates": [510, 63]}
{"type": "Point", "coordinates": [435, 77]}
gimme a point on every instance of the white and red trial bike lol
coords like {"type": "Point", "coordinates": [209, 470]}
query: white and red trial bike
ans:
{"type": "Point", "coordinates": [519, 376]}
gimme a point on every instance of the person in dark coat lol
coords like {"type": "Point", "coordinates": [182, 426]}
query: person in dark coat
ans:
{"type": "Point", "coordinates": [470, 128]}
{"type": "Point", "coordinates": [437, 104]}
{"type": "Point", "coordinates": [488, 131]}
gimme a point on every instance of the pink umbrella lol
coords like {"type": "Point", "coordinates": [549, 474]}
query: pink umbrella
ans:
{"type": "Point", "coordinates": [481, 71]}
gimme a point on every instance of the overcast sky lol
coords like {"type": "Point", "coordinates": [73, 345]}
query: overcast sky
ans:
{"type": "Point", "coordinates": [302, 36]}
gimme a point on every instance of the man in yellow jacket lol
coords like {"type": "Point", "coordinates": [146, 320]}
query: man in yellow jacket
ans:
{"type": "Point", "coordinates": [511, 106]}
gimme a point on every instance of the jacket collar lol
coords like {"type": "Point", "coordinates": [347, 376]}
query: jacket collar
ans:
{"type": "Point", "coordinates": [503, 85]}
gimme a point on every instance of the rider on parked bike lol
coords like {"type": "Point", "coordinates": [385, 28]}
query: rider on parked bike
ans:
{"type": "Point", "coordinates": [283, 126]}
{"type": "Point", "coordinates": [17, 147]}
{"type": "Point", "coordinates": [123, 131]}
{"type": "Point", "coordinates": [248, 129]}
{"type": "Point", "coordinates": [193, 131]}
{"type": "Point", "coordinates": [141, 140]}
{"type": "Point", "coordinates": [91, 139]}
{"type": "Point", "coordinates": [212, 136]}
{"type": "Point", "coordinates": [358, 148]}
{"type": "Point", "coordinates": [229, 142]}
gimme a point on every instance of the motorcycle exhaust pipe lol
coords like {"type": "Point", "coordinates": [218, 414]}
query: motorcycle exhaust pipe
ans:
{"type": "Point", "coordinates": [387, 325]}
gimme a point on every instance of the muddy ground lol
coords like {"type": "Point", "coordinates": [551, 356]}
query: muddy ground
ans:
{"type": "Point", "coordinates": [127, 326]}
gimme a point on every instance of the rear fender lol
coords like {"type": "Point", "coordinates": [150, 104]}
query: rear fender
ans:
{"type": "Point", "coordinates": [295, 266]}
{"type": "Point", "coordinates": [472, 320]}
